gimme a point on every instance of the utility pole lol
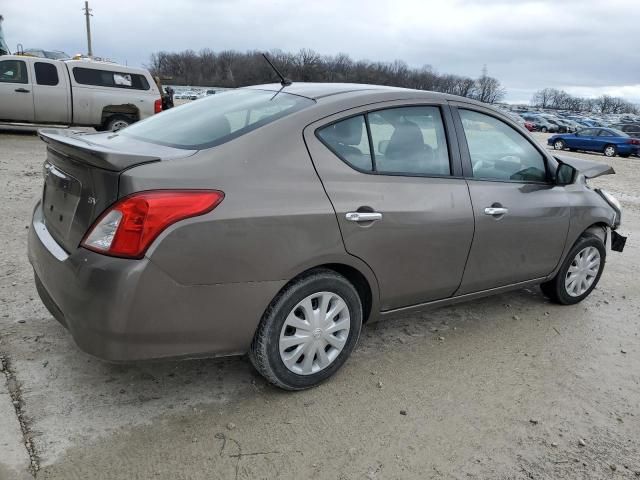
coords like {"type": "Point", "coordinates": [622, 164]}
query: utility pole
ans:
{"type": "Point", "coordinates": [87, 14]}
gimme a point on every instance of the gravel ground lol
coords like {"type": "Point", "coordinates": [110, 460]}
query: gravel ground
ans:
{"type": "Point", "coordinates": [505, 387]}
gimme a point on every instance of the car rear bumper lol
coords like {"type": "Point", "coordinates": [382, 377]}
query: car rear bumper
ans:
{"type": "Point", "coordinates": [123, 310]}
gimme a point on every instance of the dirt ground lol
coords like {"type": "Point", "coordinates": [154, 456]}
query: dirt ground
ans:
{"type": "Point", "coordinates": [508, 387]}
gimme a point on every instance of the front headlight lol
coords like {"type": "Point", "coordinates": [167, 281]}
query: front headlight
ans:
{"type": "Point", "coordinates": [615, 204]}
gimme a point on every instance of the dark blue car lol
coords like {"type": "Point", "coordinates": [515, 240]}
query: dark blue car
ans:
{"type": "Point", "coordinates": [609, 141]}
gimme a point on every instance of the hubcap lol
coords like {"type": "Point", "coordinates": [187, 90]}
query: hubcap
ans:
{"type": "Point", "coordinates": [314, 333]}
{"type": "Point", "coordinates": [582, 271]}
{"type": "Point", "coordinates": [559, 145]}
{"type": "Point", "coordinates": [609, 151]}
{"type": "Point", "coordinates": [119, 125]}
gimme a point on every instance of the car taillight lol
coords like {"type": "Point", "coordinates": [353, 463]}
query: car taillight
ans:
{"type": "Point", "coordinates": [127, 228]}
{"type": "Point", "coordinates": [157, 106]}
{"type": "Point", "coordinates": [633, 141]}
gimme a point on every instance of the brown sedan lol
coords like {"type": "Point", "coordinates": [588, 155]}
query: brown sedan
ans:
{"type": "Point", "coordinates": [278, 220]}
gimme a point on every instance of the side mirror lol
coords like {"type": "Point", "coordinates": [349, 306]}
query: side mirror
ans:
{"type": "Point", "coordinates": [565, 174]}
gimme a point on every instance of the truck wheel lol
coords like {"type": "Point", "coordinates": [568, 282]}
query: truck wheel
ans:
{"type": "Point", "coordinates": [117, 122]}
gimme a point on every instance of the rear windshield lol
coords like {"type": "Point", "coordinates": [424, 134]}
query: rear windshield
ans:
{"type": "Point", "coordinates": [216, 119]}
{"type": "Point", "coordinates": [617, 133]}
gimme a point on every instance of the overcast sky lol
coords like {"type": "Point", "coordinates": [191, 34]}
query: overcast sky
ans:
{"type": "Point", "coordinates": [587, 47]}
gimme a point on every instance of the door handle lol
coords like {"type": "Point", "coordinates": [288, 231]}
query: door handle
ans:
{"type": "Point", "coordinates": [495, 211]}
{"type": "Point", "coordinates": [363, 216]}
{"type": "Point", "coordinates": [22, 90]}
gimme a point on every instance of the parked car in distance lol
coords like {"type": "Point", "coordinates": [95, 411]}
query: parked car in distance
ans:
{"type": "Point", "coordinates": [103, 95]}
{"type": "Point", "coordinates": [631, 129]}
{"type": "Point", "coordinates": [277, 220]}
{"type": "Point", "coordinates": [52, 54]}
{"type": "Point", "coordinates": [529, 126]}
{"type": "Point", "coordinates": [541, 124]}
{"type": "Point", "coordinates": [609, 141]}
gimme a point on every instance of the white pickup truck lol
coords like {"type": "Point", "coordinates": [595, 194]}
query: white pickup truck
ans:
{"type": "Point", "coordinates": [107, 96]}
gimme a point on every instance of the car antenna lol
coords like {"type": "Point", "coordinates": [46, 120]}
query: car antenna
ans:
{"type": "Point", "coordinates": [285, 82]}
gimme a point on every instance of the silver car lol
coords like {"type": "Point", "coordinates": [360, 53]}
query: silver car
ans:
{"type": "Point", "coordinates": [277, 220]}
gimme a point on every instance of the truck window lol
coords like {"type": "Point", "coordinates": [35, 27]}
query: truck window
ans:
{"type": "Point", "coordinates": [106, 78]}
{"type": "Point", "coordinates": [46, 74]}
{"type": "Point", "coordinates": [13, 71]}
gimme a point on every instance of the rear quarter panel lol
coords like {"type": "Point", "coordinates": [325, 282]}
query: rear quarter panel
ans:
{"type": "Point", "coordinates": [275, 221]}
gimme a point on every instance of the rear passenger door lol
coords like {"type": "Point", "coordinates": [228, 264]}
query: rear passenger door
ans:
{"type": "Point", "coordinates": [51, 96]}
{"type": "Point", "coordinates": [521, 215]}
{"type": "Point", "coordinates": [16, 97]}
{"type": "Point", "coordinates": [393, 175]}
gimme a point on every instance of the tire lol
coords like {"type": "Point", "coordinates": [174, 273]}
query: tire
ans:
{"type": "Point", "coordinates": [557, 289]}
{"type": "Point", "coordinates": [267, 354]}
{"type": "Point", "coordinates": [572, 150]}
{"type": "Point", "coordinates": [610, 151]}
{"type": "Point", "coordinates": [625, 155]}
{"type": "Point", "coordinates": [117, 122]}
{"type": "Point", "coordinates": [559, 145]}
{"type": "Point", "coordinates": [544, 129]}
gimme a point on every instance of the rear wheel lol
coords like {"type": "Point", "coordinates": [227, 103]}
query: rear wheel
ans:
{"type": "Point", "coordinates": [610, 151]}
{"type": "Point", "coordinates": [580, 272]}
{"type": "Point", "coordinates": [544, 129]}
{"type": "Point", "coordinates": [558, 145]}
{"type": "Point", "coordinates": [117, 122]}
{"type": "Point", "coordinates": [308, 331]}
{"type": "Point", "coordinates": [625, 155]}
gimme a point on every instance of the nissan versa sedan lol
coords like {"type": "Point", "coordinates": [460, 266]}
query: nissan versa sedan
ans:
{"type": "Point", "coordinates": [609, 141]}
{"type": "Point", "coordinates": [277, 220]}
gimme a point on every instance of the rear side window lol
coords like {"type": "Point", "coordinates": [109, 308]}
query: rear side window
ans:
{"type": "Point", "coordinates": [405, 141]}
{"type": "Point", "coordinates": [348, 139]}
{"type": "Point", "coordinates": [409, 140]}
{"type": "Point", "coordinates": [498, 151]}
{"type": "Point", "coordinates": [216, 119]}
{"type": "Point", "coordinates": [46, 74]}
{"type": "Point", "coordinates": [107, 78]}
{"type": "Point", "coordinates": [13, 71]}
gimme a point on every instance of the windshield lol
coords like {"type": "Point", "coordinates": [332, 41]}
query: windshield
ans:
{"type": "Point", "coordinates": [216, 119]}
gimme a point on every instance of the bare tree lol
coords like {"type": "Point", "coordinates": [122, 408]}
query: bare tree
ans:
{"type": "Point", "coordinates": [232, 69]}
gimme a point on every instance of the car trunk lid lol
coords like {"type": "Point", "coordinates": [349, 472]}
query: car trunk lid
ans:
{"type": "Point", "coordinates": [81, 178]}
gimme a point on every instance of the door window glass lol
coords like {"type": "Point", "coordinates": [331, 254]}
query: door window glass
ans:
{"type": "Point", "coordinates": [349, 140]}
{"type": "Point", "coordinates": [46, 74]}
{"type": "Point", "coordinates": [499, 152]}
{"type": "Point", "coordinates": [13, 71]}
{"type": "Point", "coordinates": [587, 132]}
{"type": "Point", "coordinates": [409, 140]}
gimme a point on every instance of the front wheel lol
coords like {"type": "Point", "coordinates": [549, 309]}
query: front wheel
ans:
{"type": "Point", "coordinates": [610, 151]}
{"type": "Point", "coordinates": [544, 129]}
{"type": "Point", "coordinates": [308, 331]}
{"type": "Point", "coordinates": [579, 273]}
{"type": "Point", "coordinates": [558, 145]}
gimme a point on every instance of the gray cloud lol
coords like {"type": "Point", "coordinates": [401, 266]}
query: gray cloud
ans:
{"type": "Point", "coordinates": [585, 46]}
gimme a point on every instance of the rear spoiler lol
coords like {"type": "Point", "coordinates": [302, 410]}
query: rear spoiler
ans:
{"type": "Point", "coordinates": [588, 168]}
{"type": "Point", "coordinates": [72, 144]}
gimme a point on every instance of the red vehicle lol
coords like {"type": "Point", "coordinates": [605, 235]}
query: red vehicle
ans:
{"type": "Point", "coordinates": [529, 126]}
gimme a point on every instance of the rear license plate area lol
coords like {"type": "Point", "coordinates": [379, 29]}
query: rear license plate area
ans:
{"type": "Point", "coordinates": [60, 199]}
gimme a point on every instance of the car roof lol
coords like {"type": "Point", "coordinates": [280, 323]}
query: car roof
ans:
{"type": "Point", "coordinates": [316, 91]}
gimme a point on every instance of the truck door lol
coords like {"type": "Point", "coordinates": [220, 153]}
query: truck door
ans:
{"type": "Point", "coordinates": [51, 92]}
{"type": "Point", "coordinates": [16, 96]}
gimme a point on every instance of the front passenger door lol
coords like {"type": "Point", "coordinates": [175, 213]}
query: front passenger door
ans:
{"type": "Point", "coordinates": [521, 217]}
{"type": "Point", "coordinates": [16, 97]}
